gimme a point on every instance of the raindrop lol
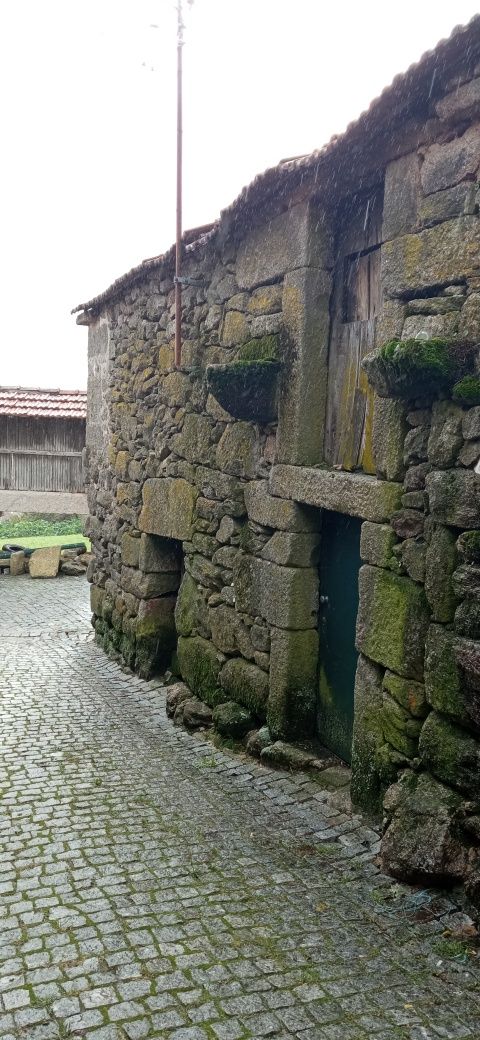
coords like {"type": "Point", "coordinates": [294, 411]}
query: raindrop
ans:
{"type": "Point", "coordinates": [366, 214]}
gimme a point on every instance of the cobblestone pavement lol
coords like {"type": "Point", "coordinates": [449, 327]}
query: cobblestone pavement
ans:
{"type": "Point", "coordinates": [152, 886]}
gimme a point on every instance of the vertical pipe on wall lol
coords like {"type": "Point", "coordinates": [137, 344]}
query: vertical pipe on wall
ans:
{"type": "Point", "coordinates": [178, 243]}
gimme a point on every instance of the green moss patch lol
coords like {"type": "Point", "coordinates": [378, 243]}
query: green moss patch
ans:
{"type": "Point", "coordinates": [467, 391]}
{"type": "Point", "coordinates": [418, 367]}
{"type": "Point", "coordinates": [247, 389]}
{"type": "Point", "coordinates": [200, 668]}
{"type": "Point", "coordinates": [265, 348]}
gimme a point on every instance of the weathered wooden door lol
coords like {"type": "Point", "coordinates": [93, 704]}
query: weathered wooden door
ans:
{"type": "Point", "coordinates": [339, 566]}
{"type": "Point", "coordinates": [356, 304]}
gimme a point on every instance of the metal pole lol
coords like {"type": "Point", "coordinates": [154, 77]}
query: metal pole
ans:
{"type": "Point", "coordinates": [178, 244]}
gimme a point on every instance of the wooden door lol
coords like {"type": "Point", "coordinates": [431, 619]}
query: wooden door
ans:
{"type": "Point", "coordinates": [339, 566]}
{"type": "Point", "coordinates": [356, 304]}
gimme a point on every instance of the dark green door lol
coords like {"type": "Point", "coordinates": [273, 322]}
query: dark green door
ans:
{"type": "Point", "coordinates": [339, 565]}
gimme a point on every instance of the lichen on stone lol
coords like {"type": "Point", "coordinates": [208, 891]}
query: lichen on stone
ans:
{"type": "Point", "coordinates": [468, 546]}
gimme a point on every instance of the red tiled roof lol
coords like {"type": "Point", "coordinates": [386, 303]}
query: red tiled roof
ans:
{"type": "Point", "coordinates": [418, 85]}
{"type": "Point", "coordinates": [55, 404]}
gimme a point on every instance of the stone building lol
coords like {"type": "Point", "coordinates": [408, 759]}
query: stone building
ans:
{"type": "Point", "coordinates": [297, 528]}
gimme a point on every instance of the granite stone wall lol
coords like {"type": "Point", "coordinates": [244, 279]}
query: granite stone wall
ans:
{"type": "Point", "coordinates": [417, 691]}
{"type": "Point", "coordinates": [207, 483]}
{"type": "Point", "coordinates": [192, 551]}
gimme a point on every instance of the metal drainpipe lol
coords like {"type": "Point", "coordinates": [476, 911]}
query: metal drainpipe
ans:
{"type": "Point", "coordinates": [178, 244]}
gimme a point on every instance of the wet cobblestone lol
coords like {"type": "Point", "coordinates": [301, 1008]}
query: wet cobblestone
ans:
{"type": "Point", "coordinates": [153, 886]}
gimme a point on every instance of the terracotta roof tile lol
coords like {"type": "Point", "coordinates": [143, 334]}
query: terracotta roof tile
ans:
{"type": "Point", "coordinates": [55, 404]}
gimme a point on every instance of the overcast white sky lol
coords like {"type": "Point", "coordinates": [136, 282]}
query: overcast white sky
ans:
{"type": "Point", "coordinates": [88, 133]}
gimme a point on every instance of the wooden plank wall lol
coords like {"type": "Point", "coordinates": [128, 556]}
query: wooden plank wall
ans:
{"type": "Point", "coordinates": [356, 303]}
{"type": "Point", "coordinates": [41, 454]}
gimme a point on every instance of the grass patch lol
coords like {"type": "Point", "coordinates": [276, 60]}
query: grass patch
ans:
{"type": "Point", "coordinates": [34, 525]}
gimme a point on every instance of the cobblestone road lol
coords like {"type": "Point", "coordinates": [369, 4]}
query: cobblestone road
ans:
{"type": "Point", "coordinates": [151, 886]}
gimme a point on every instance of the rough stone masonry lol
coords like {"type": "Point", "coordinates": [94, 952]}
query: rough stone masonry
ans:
{"type": "Point", "coordinates": [208, 484]}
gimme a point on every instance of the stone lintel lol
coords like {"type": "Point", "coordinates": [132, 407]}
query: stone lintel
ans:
{"type": "Point", "coordinates": [355, 494]}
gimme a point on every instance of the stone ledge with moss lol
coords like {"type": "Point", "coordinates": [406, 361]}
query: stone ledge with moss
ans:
{"type": "Point", "coordinates": [413, 368]}
{"type": "Point", "coordinates": [247, 388]}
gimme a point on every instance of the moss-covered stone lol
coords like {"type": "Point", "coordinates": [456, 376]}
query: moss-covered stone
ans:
{"type": "Point", "coordinates": [467, 618]}
{"type": "Point", "coordinates": [367, 788]}
{"type": "Point", "coordinates": [265, 348]}
{"type": "Point", "coordinates": [441, 560]}
{"type": "Point", "coordinates": [200, 665]}
{"type": "Point", "coordinates": [392, 621]}
{"type": "Point", "coordinates": [417, 367]}
{"type": "Point", "coordinates": [246, 389]}
{"type": "Point", "coordinates": [451, 754]}
{"type": "Point", "coordinates": [408, 693]}
{"type": "Point", "coordinates": [246, 684]}
{"type": "Point", "coordinates": [156, 618]}
{"type": "Point", "coordinates": [468, 546]}
{"type": "Point", "coordinates": [232, 720]}
{"type": "Point", "coordinates": [467, 391]}
{"type": "Point", "coordinates": [191, 614]}
{"type": "Point", "coordinates": [466, 580]}
{"type": "Point", "coordinates": [423, 841]}
{"type": "Point", "coordinates": [293, 683]}
{"type": "Point", "coordinates": [399, 728]}
{"type": "Point", "coordinates": [128, 651]}
{"type": "Point", "coordinates": [151, 655]}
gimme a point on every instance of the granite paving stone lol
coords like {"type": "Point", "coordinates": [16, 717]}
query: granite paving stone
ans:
{"type": "Point", "coordinates": [152, 885]}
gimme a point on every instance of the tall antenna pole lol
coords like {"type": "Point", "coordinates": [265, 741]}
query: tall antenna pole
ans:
{"type": "Point", "coordinates": [178, 244]}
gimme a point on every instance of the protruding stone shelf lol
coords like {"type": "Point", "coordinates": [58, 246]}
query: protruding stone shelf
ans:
{"type": "Point", "coordinates": [353, 493]}
{"type": "Point", "coordinates": [246, 389]}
